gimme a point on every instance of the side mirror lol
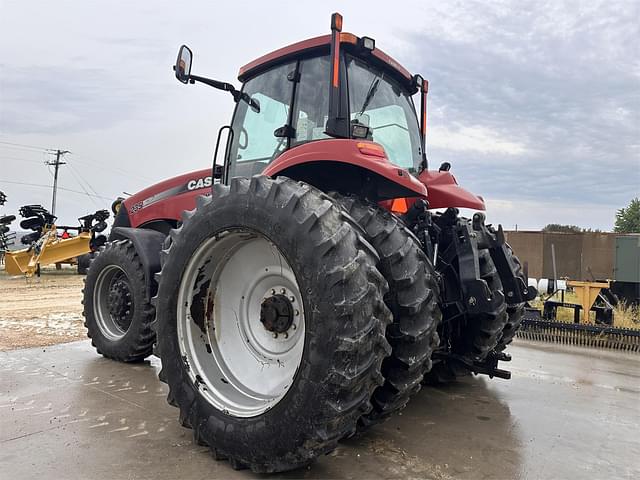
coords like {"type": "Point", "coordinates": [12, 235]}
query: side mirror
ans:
{"type": "Point", "coordinates": [183, 64]}
{"type": "Point", "coordinates": [362, 118]}
{"type": "Point", "coordinates": [360, 126]}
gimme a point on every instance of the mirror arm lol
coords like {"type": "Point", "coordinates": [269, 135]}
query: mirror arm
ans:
{"type": "Point", "coordinates": [227, 87]}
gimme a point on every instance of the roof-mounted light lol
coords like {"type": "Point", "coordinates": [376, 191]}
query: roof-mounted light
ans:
{"type": "Point", "coordinates": [368, 43]}
{"type": "Point", "coordinates": [422, 86]}
{"type": "Point", "coordinates": [336, 22]}
{"type": "Point", "coordinates": [336, 27]}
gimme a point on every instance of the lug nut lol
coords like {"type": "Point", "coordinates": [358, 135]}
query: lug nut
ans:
{"type": "Point", "coordinates": [472, 301]}
{"type": "Point", "coordinates": [293, 326]}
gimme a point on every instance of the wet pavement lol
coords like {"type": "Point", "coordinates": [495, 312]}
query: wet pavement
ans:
{"type": "Point", "coordinates": [568, 412]}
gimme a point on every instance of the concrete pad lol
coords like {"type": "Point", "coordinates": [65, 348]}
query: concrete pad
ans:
{"type": "Point", "coordinates": [568, 412]}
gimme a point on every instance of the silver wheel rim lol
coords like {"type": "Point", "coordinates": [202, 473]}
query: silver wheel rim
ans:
{"type": "Point", "coordinates": [108, 324]}
{"type": "Point", "coordinates": [240, 366]}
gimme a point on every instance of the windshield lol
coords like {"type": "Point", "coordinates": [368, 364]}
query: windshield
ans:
{"type": "Point", "coordinates": [377, 101]}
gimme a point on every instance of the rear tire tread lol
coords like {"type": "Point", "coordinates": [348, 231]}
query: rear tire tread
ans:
{"type": "Point", "coordinates": [412, 299]}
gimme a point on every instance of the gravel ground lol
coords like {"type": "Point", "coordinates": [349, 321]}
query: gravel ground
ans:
{"type": "Point", "coordinates": [41, 311]}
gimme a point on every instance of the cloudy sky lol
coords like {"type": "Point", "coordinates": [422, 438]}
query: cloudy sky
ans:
{"type": "Point", "coordinates": [536, 104]}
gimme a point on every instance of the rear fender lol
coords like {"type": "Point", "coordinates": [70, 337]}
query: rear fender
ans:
{"type": "Point", "coordinates": [345, 166]}
{"type": "Point", "coordinates": [444, 191]}
{"type": "Point", "coordinates": [148, 244]}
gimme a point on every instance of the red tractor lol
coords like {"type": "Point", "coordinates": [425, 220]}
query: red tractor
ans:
{"type": "Point", "coordinates": [304, 289]}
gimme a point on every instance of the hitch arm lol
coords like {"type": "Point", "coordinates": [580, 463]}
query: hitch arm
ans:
{"type": "Point", "coordinates": [515, 287]}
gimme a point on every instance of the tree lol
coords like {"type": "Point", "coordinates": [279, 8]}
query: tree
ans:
{"type": "Point", "coordinates": [628, 219]}
{"type": "Point", "coordinates": [557, 228]}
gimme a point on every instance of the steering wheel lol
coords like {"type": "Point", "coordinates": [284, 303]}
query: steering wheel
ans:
{"type": "Point", "coordinates": [242, 146]}
{"type": "Point", "coordinates": [278, 150]}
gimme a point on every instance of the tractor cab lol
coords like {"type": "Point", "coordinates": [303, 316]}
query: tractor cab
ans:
{"type": "Point", "coordinates": [338, 113]}
{"type": "Point", "coordinates": [335, 86]}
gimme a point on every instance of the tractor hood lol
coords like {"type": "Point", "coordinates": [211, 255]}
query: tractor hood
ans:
{"type": "Point", "coordinates": [445, 192]}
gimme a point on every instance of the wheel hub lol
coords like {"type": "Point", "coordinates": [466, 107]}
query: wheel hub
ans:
{"type": "Point", "coordinates": [113, 302]}
{"type": "Point", "coordinates": [120, 302]}
{"type": "Point", "coordinates": [276, 313]}
{"type": "Point", "coordinates": [245, 344]}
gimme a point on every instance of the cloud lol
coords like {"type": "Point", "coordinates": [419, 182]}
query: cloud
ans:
{"type": "Point", "coordinates": [55, 99]}
{"type": "Point", "coordinates": [536, 103]}
{"type": "Point", "coordinates": [473, 139]}
{"type": "Point", "coordinates": [538, 100]}
{"type": "Point", "coordinates": [534, 214]}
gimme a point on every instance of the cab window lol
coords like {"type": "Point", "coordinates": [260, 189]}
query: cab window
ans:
{"type": "Point", "coordinates": [312, 100]}
{"type": "Point", "coordinates": [254, 144]}
{"type": "Point", "coordinates": [378, 102]}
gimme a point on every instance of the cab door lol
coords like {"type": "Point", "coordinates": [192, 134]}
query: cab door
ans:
{"type": "Point", "coordinates": [260, 136]}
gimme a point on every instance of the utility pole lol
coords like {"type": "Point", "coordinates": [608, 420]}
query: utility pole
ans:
{"type": "Point", "coordinates": [56, 164]}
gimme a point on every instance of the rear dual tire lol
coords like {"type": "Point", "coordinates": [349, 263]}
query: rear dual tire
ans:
{"type": "Point", "coordinates": [515, 311]}
{"type": "Point", "coordinates": [413, 300]}
{"type": "Point", "coordinates": [312, 252]}
{"type": "Point", "coordinates": [474, 337]}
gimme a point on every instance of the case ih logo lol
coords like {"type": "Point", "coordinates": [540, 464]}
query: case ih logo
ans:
{"type": "Point", "coordinates": [195, 184]}
{"type": "Point", "coordinates": [199, 183]}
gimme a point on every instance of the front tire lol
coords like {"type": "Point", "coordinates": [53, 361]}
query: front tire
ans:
{"type": "Point", "coordinates": [117, 308]}
{"type": "Point", "coordinates": [84, 261]}
{"type": "Point", "coordinates": [266, 402]}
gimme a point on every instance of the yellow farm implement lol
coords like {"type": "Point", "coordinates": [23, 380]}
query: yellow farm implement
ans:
{"type": "Point", "coordinates": [594, 297]}
{"type": "Point", "coordinates": [46, 247]}
{"type": "Point", "coordinates": [47, 250]}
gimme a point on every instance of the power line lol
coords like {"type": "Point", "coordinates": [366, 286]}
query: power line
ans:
{"type": "Point", "coordinates": [24, 159]}
{"type": "Point", "coordinates": [81, 179]}
{"type": "Point", "coordinates": [111, 169]}
{"type": "Point", "coordinates": [33, 147]}
{"type": "Point", "coordinates": [85, 161]}
{"type": "Point", "coordinates": [49, 186]}
{"type": "Point", "coordinates": [77, 177]}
